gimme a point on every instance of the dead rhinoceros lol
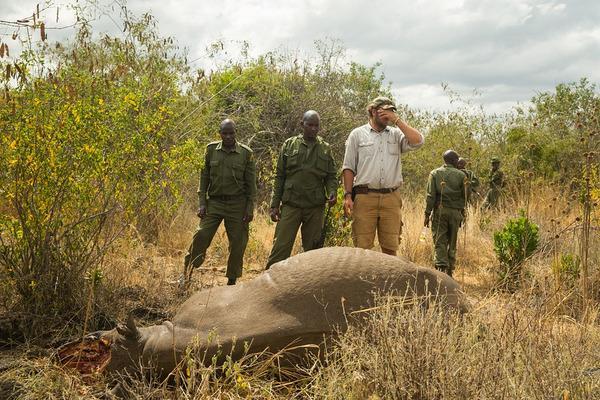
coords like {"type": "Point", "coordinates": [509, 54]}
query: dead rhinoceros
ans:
{"type": "Point", "coordinates": [303, 300]}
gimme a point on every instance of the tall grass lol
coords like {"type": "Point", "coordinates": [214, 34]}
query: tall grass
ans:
{"type": "Point", "coordinates": [504, 349]}
{"type": "Point", "coordinates": [535, 343]}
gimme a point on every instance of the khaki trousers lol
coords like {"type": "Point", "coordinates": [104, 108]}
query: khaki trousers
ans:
{"type": "Point", "coordinates": [377, 213]}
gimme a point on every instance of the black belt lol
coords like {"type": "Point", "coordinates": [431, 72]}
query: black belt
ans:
{"type": "Point", "coordinates": [365, 190]}
{"type": "Point", "coordinates": [383, 190]}
{"type": "Point", "coordinates": [225, 198]}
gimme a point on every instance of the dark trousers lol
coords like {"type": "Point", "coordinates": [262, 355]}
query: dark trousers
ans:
{"type": "Point", "coordinates": [231, 212]}
{"type": "Point", "coordinates": [311, 220]}
{"type": "Point", "coordinates": [444, 228]}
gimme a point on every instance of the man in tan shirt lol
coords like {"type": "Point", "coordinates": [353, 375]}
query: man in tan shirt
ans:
{"type": "Point", "coordinates": [372, 174]}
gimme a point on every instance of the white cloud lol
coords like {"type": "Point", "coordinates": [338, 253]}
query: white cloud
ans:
{"type": "Point", "coordinates": [508, 49]}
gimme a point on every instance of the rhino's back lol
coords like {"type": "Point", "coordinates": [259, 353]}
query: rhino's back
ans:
{"type": "Point", "coordinates": [308, 291]}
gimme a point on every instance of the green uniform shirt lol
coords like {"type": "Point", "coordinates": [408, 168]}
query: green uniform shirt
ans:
{"type": "Point", "coordinates": [306, 173]}
{"type": "Point", "coordinates": [228, 173]}
{"type": "Point", "coordinates": [451, 194]}
{"type": "Point", "coordinates": [473, 181]}
{"type": "Point", "coordinates": [496, 179]}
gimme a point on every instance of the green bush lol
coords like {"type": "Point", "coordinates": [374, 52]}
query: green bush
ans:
{"type": "Point", "coordinates": [88, 150]}
{"type": "Point", "coordinates": [517, 241]}
{"type": "Point", "coordinates": [339, 228]}
{"type": "Point", "coordinates": [567, 268]}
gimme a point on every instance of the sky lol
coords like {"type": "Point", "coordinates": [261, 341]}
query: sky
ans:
{"type": "Point", "coordinates": [493, 53]}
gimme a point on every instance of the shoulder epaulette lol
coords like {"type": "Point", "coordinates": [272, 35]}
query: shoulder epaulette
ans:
{"type": "Point", "coordinates": [213, 143]}
{"type": "Point", "coordinates": [293, 138]}
{"type": "Point", "coordinates": [322, 141]}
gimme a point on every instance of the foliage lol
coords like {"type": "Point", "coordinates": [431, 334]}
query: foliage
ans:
{"type": "Point", "coordinates": [89, 150]}
{"type": "Point", "coordinates": [553, 139]}
{"type": "Point", "coordinates": [339, 231]}
{"type": "Point", "coordinates": [107, 133]}
{"type": "Point", "coordinates": [453, 130]}
{"type": "Point", "coordinates": [267, 96]}
{"type": "Point", "coordinates": [567, 269]}
{"type": "Point", "coordinates": [517, 241]}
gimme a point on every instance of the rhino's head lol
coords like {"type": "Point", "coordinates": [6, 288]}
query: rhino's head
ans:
{"type": "Point", "coordinates": [126, 343]}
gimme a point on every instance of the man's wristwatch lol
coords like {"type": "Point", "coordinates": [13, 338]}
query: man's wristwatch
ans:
{"type": "Point", "coordinates": [347, 193]}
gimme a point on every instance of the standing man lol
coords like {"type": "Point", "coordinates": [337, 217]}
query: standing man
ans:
{"type": "Point", "coordinates": [305, 180]}
{"type": "Point", "coordinates": [446, 198]}
{"type": "Point", "coordinates": [473, 180]}
{"type": "Point", "coordinates": [372, 174]}
{"type": "Point", "coordinates": [496, 183]}
{"type": "Point", "coordinates": [227, 192]}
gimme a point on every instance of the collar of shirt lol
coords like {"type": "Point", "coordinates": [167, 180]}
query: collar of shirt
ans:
{"type": "Point", "coordinates": [309, 143]}
{"type": "Point", "coordinates": [236, 148]}
{"type": "Point", "coordinates": [386, 129]}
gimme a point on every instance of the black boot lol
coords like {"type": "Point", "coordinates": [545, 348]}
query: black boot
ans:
{"type": "Point", "coordinates": [231, 281]}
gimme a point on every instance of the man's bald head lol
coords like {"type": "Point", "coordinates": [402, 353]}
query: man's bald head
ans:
{"type": "Point", "coordinates": [227, 131]}
{"type": "Point", "coordinates": [226, 123]}
{"type": "Point", "coordinates": [311, 123]}
{"type": "Point", "coordinates": [450, 157]}
{"type": "Point", "coordinates": [311, 114]}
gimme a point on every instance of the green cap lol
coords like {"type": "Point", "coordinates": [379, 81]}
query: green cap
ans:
{"type": "Point", "coordinates": [383, 102]}
{"type": "Point", "coordinates": [495, 160]}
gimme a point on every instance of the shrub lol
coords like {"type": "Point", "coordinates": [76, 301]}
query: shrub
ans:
{"type": "Point", "coordinates": [88, 150]}
{"type": "Point", "coordinates": [517, 241]}
{"type": "Point", "coordinates": [339, 232]}
{"type": "Point", "coordinates": [567, 269]}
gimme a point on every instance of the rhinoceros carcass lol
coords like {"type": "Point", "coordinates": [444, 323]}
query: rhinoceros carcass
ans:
{"type": "Point", "coordinates": [301, 300]}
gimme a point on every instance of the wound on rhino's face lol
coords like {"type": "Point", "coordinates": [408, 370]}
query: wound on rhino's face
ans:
{"type": "Point", "coordinates": [88, 356]}
{"type": "Point", "coordinates": [114, 350]}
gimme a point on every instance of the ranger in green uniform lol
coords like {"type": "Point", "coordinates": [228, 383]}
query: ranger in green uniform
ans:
{"type": "Point", "coordinates": [227, 192]}
{"type": "Point", "coordinates": [496, 184]}
{"type": "Point", "coordinates": [472, 179]}
{"type": "Point", "coordinates": [305, 180]}
{"type": "Point", "coordinates": [446, 198]}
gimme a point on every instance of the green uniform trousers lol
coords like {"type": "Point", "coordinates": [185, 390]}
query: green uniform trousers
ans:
{"type": "Point", "coordinates": [444, 228]}
{"type": "Point", "coordinates": [232, 211]}
{"type": "Point", "coordinates": [491, 198]}
{"type": "Point", "coordinates": [287, 228]}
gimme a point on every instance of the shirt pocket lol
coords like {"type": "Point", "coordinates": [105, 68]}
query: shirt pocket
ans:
{"type": "Point", "coordinates": [287, 191]}
{"type": "Point", "coordinates": [215, 168]}
{"type": "Point", "coordinates": [238, 173]}
{"type": "Point", "coordinates": [393, 147]}
{"type": "Point", "coordinates": [366, 148]}
{"type": "Point", "coordinates": [319, 195]}
{"type": "Point", "coordinates": [322, 162]}
{"type": "Point", "coordinates": [293, 160]}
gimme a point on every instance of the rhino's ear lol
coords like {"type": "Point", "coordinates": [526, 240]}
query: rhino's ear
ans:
{"type": "Point", "coordinates": [130, 331]}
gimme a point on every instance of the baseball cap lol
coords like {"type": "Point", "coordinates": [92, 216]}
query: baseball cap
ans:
{"type": "Point", "coordinates": [384, 103]}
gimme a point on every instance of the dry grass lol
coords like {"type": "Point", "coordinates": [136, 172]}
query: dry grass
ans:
{"type": "Point", "coordinates": [540, 342]}
{"type": "Point", "coordinates": [504, 349]}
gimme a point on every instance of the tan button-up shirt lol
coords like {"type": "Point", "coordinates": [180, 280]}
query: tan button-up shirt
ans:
{"type": "Point", "coordinates": [375, 157]}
